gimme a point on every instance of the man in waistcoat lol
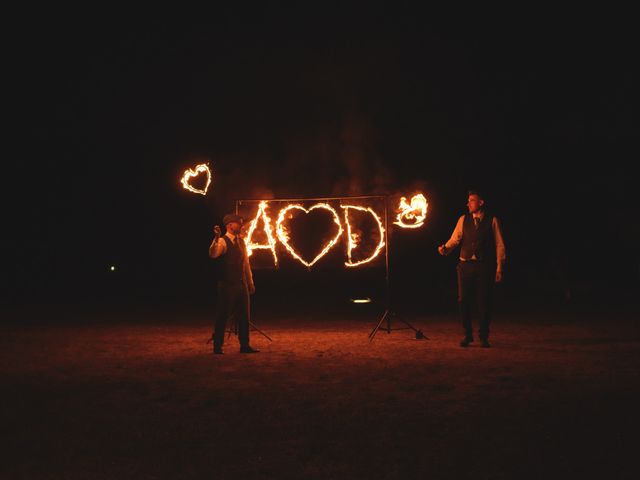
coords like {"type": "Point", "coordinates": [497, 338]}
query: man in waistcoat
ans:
{"type": "Point", "coordinates": [481, 261]}
{"type": "Point", "coordinates": [235, 283]}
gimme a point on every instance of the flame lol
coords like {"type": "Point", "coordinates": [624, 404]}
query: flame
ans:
{"type": "Point", "coordinates": [284, 236]}
{"type": "Point", "coordinates": [415, 212]}
{"type": "Point", "coordinates": [271, 242]}
{"type": "Point", "coordinates": [354, 237]}
{"type": "Point", "coordinates": [190, 173]}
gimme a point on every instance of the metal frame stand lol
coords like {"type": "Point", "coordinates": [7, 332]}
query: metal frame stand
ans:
{"type": "Point", "coordinates": [389, 313]}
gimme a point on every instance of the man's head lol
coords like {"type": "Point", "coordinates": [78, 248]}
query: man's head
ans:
{"type": "Point", "coordinates": [233, 223]}
{"type": "Point", "coordinates": [475, 202]}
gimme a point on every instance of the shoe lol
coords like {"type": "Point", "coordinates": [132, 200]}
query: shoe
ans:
{"type": "Point", "coordinates": [466, 341]}
{"type": "Point", "coordinates": [218, 351]}
{"type": "Point", "coordinates": [248, 350]}
{"type": "Point", "coordinates": [484, 343]}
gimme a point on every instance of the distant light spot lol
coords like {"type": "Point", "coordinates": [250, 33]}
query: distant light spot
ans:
{"type": "Point", "coordinates": [361, 300]}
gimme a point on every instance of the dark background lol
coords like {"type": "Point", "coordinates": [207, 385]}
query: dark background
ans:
{"type": "Point", "coordinates": [536, 110]}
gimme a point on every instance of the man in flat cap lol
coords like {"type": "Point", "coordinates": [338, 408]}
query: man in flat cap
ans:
{"type": "Point", "coordinates": [235, 283]}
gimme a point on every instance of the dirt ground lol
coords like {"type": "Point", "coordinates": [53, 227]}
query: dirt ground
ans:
{"type": "Point", "coordinates": [140, 396]}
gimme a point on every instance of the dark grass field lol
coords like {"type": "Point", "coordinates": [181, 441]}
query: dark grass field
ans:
{"type": "Point", "coordinates": [139, 395]}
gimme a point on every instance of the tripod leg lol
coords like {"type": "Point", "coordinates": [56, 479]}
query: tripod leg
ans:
{"type": "Point", "coordinates": [251, 324]}
{"type": "Point", "coordinates": [377, 327]}
{"type": "Point", "coordinates": [233, 329]}
{"type": "Point", "coordinates": [419, 334]}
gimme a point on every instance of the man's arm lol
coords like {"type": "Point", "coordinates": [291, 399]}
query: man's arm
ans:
{"type": "Point", "coordinates": [501, 254]}
{"type": "Point", "coordinates": [218, 247]}
{"type": "Point", "coordinates": [454, 241]}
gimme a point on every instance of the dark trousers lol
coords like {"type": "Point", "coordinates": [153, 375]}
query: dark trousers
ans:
{"type": "Point", "coordinates": [475, 287]}
{"type": "Point", "coordinates": [233, 301]}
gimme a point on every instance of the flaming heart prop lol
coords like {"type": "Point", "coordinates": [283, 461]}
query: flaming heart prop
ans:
{"type": "Point", "coordinates": [283, 235]}
{"type": "Point", "coordinates": [414, 212]}
{"type": "Point", "coordinates": [271, 242]}
{"type": "Point", "coordinates": [191, 173]}
{"type": "Point", "coordinates": [352, 238]}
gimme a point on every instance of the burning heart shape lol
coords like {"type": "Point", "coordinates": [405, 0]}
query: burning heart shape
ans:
{"type": "Point", "coordinates": [192, 173]}
{"type": "Point", "coordinates": [284, 237]}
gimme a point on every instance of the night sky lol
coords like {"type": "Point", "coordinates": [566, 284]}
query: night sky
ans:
{"type": "Point", "coordinates": [537, 111]}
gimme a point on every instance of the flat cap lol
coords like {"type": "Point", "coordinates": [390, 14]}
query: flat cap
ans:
{"type": "Point", "coordinates": [231, 217]}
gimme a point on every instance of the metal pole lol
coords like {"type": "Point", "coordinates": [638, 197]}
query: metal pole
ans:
{"type": "Point", "coordinates": [388, 313]}
{"type": "Point", "coordinates": [358, 197]}
{"type": "Point", "coordinates": [386, 261]}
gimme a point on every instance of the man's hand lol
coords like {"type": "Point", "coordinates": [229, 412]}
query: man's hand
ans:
{"type": "Point", "coordinates": [442, 250]}
{"type": "Point", "coordinates": [217, 232]}
{"type": "Point", "coordinates": [498, 276]}
{"type": "Point", "coordinates": [252, 289]}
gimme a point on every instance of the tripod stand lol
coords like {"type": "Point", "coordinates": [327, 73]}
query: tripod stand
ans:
{"type": "Point", "coordinates": [234, 330]}
{"type": "Point", "coordinates": [251, 325]}
{"type": "Point", "coordinates": [389, 313]}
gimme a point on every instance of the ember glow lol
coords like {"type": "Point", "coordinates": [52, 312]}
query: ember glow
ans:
{"type": "Point", "coordinates": [283, 234]}
{"type": "Point", "coordinates": [191, 173]}
{"type": "Point", "coordinates": [271, 241]}
{"type": "Point", "coordinates": [353, 238]}
{"type": "Point", "coordinates": [414, 213]}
